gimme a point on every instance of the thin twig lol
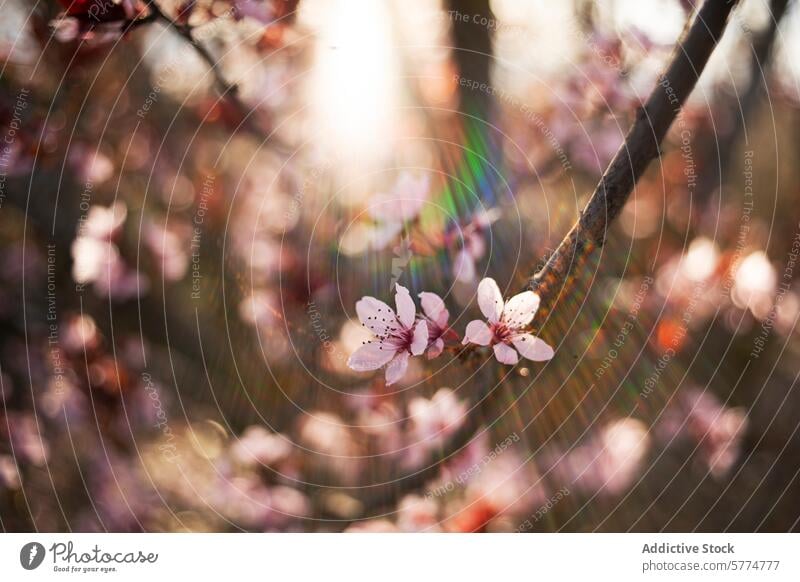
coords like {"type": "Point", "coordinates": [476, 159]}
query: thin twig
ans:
{"type": "Point", "coordinates": [226, 89]}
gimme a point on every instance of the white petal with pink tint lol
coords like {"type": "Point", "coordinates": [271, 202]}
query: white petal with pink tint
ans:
{"type": "Point", "coordinates": [434, 307]}
{"type": "Point", "coordinates": [532, 348]}
{"type": "Point", "coordinates": [505, 354]}
{"type": "Point", "coordinates": [406, 311]}
{"type": "Point", "coordinates": [375, 315]}
{"type": "Point", "coordinates": [520, 309]}
{"type": "Point", "coordinates": [490, 300]}
{"type": "Point", "coordinates": [370, 356]}
{"type": "Point", "coordinates": [420, 340]}
{"type": "Point", "coordinates": [477, 332]}
{"type": "Point", "coordinates": [397, 368]}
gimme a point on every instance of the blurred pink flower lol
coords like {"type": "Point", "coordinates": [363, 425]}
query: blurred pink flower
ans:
{"type": "Point", "coordinates": [169, 249]}
{"type": "Point", "coordinates": [397, 335]}
{"type": "Point", "coordinates": [80, 336]}
{"type": "Point", "coordinates": [259, 446]}
{"type": "Point", "coordinates": [606, 464]}
{"type": "Point", "coordinates": [755, 280]}
{"type": "Point", "coordinates": [404, 202]}
{"type": "Point", "coordinates": [89, 164]}
{"type": "Point", "coordinates": [261, 308]}
{"type": "Point", "coordinates": [96, 259]}
{"type": "Point", "coordinates": [260, 10]}
{"type": "Point", "coordinates": [433, 421]}
{"type": "Point", "coordinates": [417, 514]}
{"type": "Point", "coordinates": [716, 429]}
{"type": "Point", "coordinates": [333, 443]}
{"type": "Point", "coordinates": [380, 418]}
{"type": "Point", "coordinates": [509, 484]}
{"type": "Point", "coordinates": [373, 526]}
{"type": "Point", "coordinates": [9, 477]}
{"type": "Point", "coordinates": [25, 438]}
{"type": "Point", "coordinates": [507, 321]}
{"type": "Point", "coordinates": [103, 223]}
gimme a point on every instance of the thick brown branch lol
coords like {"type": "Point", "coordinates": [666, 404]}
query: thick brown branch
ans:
{"type": "Point", "coordinates": [640, 147]}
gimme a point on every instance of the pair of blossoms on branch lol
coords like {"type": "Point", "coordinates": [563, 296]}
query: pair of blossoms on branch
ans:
{"type": "Point", "coordinates": [404, 333]}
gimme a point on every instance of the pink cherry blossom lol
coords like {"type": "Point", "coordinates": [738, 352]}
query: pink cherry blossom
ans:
{"type": "Point", "coordinates": [397, 336]}
{"type": "Point", "coordinates": [507, 322]}
{"type": "Point", "coordinates": [436, 317]}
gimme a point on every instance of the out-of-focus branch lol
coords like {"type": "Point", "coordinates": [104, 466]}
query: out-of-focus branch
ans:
{"type": "Point", "coordinates": [761, 51]}
{"type": "Point", "coordinates": [640, 147]}
{"type": "Point", "coordinates": [741, 106]}
{"type": "Point", "coordinates": [227, 90]}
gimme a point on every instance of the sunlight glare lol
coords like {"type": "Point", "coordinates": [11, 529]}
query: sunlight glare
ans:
{"type": "Point", "coordinates": [354, 81]}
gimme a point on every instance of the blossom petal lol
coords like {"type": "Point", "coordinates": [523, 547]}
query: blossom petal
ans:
{"type": "Point", "coordinates": [371, 356]}
{"type": "Point", "coordinates": [434, 307]}
{"type": "Point", "coordinates": [397, 368]}
{"type": "Point", "coordinates": [406, 310]}
{"type": "Point", "coordinates": [420, 340]}
{"type": "Point", "coordinates": [520, 309]}
{"type": "Point", "coordinates": [490, 300]}
{"type": "Point", "coordinates": [533, 348]}
{"type": "Point", "coordinates": [464, 267]}
{"type": "Point", "coordinates": [378, 317]}
{"type": "Point", "coordinates": [477, 332]}
{"type": "Point", "coordinates": [505, 354]}
{"type": "Point", "coordinates": [435, 349]}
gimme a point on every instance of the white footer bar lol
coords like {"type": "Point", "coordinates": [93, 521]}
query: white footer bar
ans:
{"type": "Point", "coordinates": [400, 557]}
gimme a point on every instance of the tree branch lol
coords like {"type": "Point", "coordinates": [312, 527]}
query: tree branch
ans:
{"type": "Point", "coordinates": [227, 90]}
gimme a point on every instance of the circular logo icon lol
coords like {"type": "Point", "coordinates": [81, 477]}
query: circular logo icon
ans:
{"type": "Point", "coordinates": [31, 555]}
